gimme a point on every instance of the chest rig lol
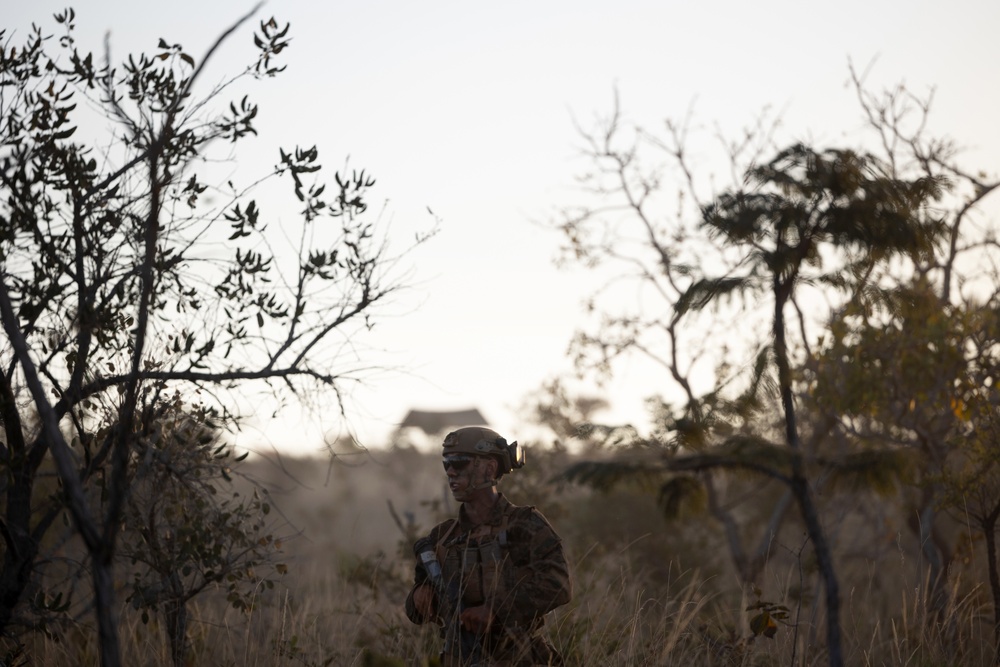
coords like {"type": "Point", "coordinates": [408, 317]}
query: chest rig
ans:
{"type": "Point", "coordinates": [476, 563]}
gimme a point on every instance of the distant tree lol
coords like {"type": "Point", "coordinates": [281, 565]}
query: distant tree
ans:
{"type": "Point", "coordinates": [805, 218]}
{"type": "Point", "coordinates": [570, 418]}
{"type": "Point", "coordinates": [918, 375]}
{"type": "Point", "coordinates": [972, 480]}
{"type": "Point", "coordinates": [960, 270]}
{"type": "Point", "coordinates": [829, 220]}
{"type": "Point", "coordinates": [648, 235]}
{"type": "Point", "coordinates": [888, 374]}
{"type": "Point", "coordinates": [127, 273]}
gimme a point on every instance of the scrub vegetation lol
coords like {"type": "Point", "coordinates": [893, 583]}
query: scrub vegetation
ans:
{"type": "Point", "coordinates": [647, 591]}
{"type": "Point", "coordinates": [820, 484]}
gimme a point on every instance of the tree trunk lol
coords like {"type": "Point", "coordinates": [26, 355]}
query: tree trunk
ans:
{"type": "Point", "coordinates": [176, 616]}
{"type": "Point", "coordinates": [748, 565]}
{"type": "Point", "coordinates": [107, 619]}
{"type": "Point", "coordinates": [21, 549]}
{"type": "Point", "coordinates": [758, 559]}
{"type": "Point", "coordinates": [175, 613]}
{"type": "Point", "coordinates": [19, 557]}
{"type": "Point", "coordinates": [935, 557]}
{"type": "Point", "coordinates": [824, 561]}
{"type": "Point", "coordinates": [799, 481]}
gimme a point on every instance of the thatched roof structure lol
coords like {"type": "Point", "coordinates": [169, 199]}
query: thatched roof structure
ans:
{"type": "Point", "coordinates": [433, 422]}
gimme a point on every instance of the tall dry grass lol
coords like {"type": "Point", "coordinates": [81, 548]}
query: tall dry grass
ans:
{"type": "Point", "coordinates": [646, 592]}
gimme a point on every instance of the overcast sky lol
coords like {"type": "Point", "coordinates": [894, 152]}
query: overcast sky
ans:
{"type": "Point", "coordinates": [468, 108]}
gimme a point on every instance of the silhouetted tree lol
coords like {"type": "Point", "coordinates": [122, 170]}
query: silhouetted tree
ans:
{"type": "Point", "coordinates": [127, 273]}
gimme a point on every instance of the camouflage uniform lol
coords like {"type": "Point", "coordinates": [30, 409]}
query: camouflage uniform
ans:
{"type": "Point", "coordinates": [514, 563]}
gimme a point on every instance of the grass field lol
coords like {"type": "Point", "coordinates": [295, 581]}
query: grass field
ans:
{"type": "Point", "coordinates": [646, 592]}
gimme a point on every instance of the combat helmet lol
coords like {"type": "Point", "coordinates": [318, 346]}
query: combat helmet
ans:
{"type": "Point", "coordinates": [482, 441]}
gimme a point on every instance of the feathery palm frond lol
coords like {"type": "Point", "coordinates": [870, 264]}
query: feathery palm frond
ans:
{"type": "Point", "coordinates": [680, 493]}
{"type": "Point", "coordinates": [706, 290]}
{"type": "Point", "coordinates": [745, 453]}
{"type": "Point", "coordinates": [874, 470]}
{"type": "Point", "coordinates": [607, 475]}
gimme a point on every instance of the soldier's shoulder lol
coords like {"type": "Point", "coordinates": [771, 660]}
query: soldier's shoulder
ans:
{"type": "Point", "coordinates": [440, 529]}
{"type": "Point", "coordinates": [529, 518]}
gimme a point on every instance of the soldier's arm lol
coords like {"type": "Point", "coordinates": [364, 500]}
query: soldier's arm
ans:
{"type": "Point", "coordinates": [421, 604]}
{"type": "Point", "coordinates": [420, 583]}
{"type": "Point", "coordinates": [421, 590]}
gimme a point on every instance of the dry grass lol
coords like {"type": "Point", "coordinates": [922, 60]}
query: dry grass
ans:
{"type": "Point", "coordinates": [646, 593]}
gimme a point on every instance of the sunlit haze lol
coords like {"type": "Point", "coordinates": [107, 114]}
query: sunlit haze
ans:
{"type": "Point", "coordinates": [471, 110]}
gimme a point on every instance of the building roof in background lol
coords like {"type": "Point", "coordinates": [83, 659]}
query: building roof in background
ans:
{"type": "Point", "coordinates": [433, 422]}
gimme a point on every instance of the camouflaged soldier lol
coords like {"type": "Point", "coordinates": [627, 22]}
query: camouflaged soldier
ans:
{"type": "Point", "coordinates": [489, 576]}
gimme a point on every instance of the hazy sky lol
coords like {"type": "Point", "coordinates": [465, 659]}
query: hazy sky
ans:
{"type": "Point", "coordinates": [468, 108]}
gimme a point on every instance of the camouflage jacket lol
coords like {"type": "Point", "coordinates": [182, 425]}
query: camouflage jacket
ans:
{"type": "Point", "coordinates": [530, 578]}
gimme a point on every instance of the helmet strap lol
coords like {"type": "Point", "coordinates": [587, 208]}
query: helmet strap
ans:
{"type": "Point", "coordinates": [485, 484]}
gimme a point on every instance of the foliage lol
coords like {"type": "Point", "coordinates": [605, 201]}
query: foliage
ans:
{"type": "Point", "coordinates": [645, 593]}
{"type": "Point", "coordinates": [919, 378]}
{"type": "Point", "coordinates": [795, 213]}
{"type": "Point", "coordinates": [129, 269]}
{"type": "Point", "coordinates": [187, 530]}
{"type": "Point", "coordinates": [765, 621]}
{"type": "Point", "coordinates": [745, 281]}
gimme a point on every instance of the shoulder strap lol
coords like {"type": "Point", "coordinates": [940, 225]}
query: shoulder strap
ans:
{"type": "Point", "coordinates": [447, 533]}
{"type": "Point", "coordinates": [509, 511]}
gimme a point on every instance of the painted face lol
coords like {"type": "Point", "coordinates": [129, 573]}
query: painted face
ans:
{"type": "Point", "coordinates": [466, 474]}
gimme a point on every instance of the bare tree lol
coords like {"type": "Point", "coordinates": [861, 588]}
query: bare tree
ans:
{"type": "Point", "coordinates": [647, 190]}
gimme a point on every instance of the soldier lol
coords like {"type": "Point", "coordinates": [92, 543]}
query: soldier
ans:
{"type": "Point", "coordinates": [489, 576]}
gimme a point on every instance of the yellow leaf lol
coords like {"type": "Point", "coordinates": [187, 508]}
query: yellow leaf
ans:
{"type": "Point", "coordinates": [763, 624]}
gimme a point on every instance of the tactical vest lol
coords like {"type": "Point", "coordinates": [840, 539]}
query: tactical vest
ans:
{"type": "Point", "coordinates": [476, 563]}
{"type": "Point", "coordinates": [477, 568]}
